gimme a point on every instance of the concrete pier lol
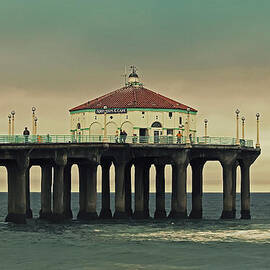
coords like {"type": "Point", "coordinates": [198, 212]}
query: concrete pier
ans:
{"type": "Point", "coordinates": [160, 212]}
{"type": "Point", "coordinates": [82, 191]}
{"type": "Point", "coordinates": [228, 165]}
{"type": "Point", "coordinates": [17, 170]}
{"type": "Point", "coordinates": [120, 198]}
{"type": "Point", "coordinates": [179, 182]}
{"type": "Point", "coordinates": [88, 191]}
{"type": "Point", "coordinates": [245, 188]}
{"type": "Point", "coordinates": [139, 191]}
{"type": "Point", "coordinates": [59, 158]}
{"type": "Point", "coordinates": [146, 188]}
{"type": "Point", "coordinates": [197, 188]}
{"type": "Point", "coordinates": [67, 192]}
{"type": "Point", "coordinates": [128, 200]}
{"type": "Point", "coordinates": [46, 185]}
{"type": "Point", "coordinates": [106, 212]}
{"type": "Point", "coordinates": [29, 213]}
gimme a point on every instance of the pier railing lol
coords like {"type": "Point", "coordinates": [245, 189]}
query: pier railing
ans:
{"type": "Point", "coordinates": [39, 139]}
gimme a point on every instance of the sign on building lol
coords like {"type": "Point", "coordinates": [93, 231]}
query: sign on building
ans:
{"type": "Point", "coordinates": [111, 111]}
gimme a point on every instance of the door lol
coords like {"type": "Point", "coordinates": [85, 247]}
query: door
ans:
{"type": "Point", "coordinates": [143, 135]}
{"type": "Point", "coordinates": [156, 136]}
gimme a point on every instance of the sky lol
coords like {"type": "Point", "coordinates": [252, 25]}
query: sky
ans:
{"type": "Point", "coordinates": [212, 55]}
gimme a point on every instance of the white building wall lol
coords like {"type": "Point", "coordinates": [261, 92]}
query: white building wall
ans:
{"type": "Point", "coordinates": [137, 119]}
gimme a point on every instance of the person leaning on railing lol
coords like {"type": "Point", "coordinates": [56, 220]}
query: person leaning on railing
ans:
{"type": "Point", "coordinates": [179, 137]}
{"type": "Point", "coordinates": [116, 137]}
{"type": "Point", "coordinates": [134, 138]}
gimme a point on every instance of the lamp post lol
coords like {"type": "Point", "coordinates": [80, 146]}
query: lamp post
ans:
{"type": "Point", "coordinates": [243, 127]}
{"type": "Point", "coordinates": [35, 126]}
{"type": "Point", "coordinates": [9, 124]}
{"type": "Point", "coordinates": [12, 122]}
{"type": "Point", "coordinates": [205, 129]}
{"type": "Point", "coordinates": [237, 127]}
{"type": "Point", "coordinates": [105, 129]}
{"type": "Point", "coordinates": [187, 132]}
{"type": "Point", "coordinates": [33, 120]}
{"type": "Point", "coordinates": [258, 131]}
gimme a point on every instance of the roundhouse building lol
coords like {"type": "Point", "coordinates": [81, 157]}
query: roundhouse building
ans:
{"type": "Point", "coordinates": [136, 110]}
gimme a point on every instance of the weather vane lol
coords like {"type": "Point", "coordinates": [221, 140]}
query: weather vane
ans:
{"type": "Point", "coordinates": [133, 68]}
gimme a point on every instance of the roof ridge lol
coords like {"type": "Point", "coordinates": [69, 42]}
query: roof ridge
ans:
{"type": "Point", "coordinates": [134, 96]}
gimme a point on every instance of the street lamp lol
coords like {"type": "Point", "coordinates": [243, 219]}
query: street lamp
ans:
{"type": "Point", "coordinates": [258, 131]}
{"type": "Point", "coordinates": [243, 127]}
{"type": "Point", "coordinates": [187, 132]}
{"type": "Point", "coordinates": [12, 122]}
{"type": "Point", "coordinates": [237, 126]}
{"type": "Point", "coordinates": [205, 129]}
{"type": "Point", "coordinates": [9, 124]}
{"type": "Point", "coordinates": [33, 120]}
{"type": "Point", "coordinates": [105, 129]}
{"type": "Point", "coordinates": [35, 126]}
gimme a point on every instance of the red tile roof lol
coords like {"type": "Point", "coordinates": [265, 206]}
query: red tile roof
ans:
{"type": "Point", "coordinates": [132, 97]}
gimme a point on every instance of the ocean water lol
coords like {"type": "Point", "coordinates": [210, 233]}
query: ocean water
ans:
{"type": "Point", "coordinates": [206, 244]}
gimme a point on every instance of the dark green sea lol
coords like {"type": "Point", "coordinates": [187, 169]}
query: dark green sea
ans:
{"type": "Point", "coordinates": [207, 244]}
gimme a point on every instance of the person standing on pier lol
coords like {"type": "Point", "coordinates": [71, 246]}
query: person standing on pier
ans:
{"type": "Point", "coordinates": [121, 136]}
{"type": "Point", "coordinates": [179, 136]}
{"type": "Point", "coordinates": [26, 134]}
{"type": "Point", "coordinates": [124, 136]}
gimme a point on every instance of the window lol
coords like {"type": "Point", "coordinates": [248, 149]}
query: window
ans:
{"type": "Point", "coordinates": [169, 131]}
{"type": "Point", "coordinates": [156, 125]}
{"type": "Point", "coordinates": [126, 116]}
{"type": "Point", "coordinates": [95, 118]}
{"type": "Point", "coordinates": [142, 112]}
{"type": "Point", "coordinates": [156, 117]}
{"type": "Point", "coordinates": [180, 120]}
{"type": "Point", "coordinates": [170, 114]}
{"type": "Point", "coordinates": [111, 117]}
{"type": "Point", "coordinates": [78, 126]}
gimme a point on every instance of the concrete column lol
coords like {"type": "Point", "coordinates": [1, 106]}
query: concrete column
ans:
{"type": "Point", "coordinates": [91, 192]}
{"type": "Point", "coordinates": [106, 212]}
{"type": "Point", "coordinates": [245, 190]}
{"type": "Point", "coordinates": [58, 193]}
{"type": "Point", "coordinates": [120, 198]}
{"type": "Point", "coordinates": [82, 190]}
{"type": "Point", "coordinates": [88, 191]}
{"type": "Point", "coordinates": [29, 213]}
{"type": "Point", "coordinates": [227, 212]}
{"type": "Point", "coordinates": [234, 175]}
{"type": "Point", "coordinates": [179, 193]}
{"type": "Point", "coordinates": [139, 191]}
{"type": "Point", "coordinates": [46, 192]}
{"type": "Point", "coordinates": [11, 190]}
{"type": "Point", "coordinates": [160, 191]}
{"type": "Point", "coordinates": [20, 201]}
{"type": "Point", "coordinates": [197, 184]}
{"type": "Point", "coordinates": [67, 192]}
{"type": "Point", "coordinates": [146, 180]}
{"type": "Point", "coordinates": [17, 198]}
{"type": "Point", "coordinates": [128, 193]}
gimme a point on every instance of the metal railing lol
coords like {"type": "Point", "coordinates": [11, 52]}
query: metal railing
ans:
{"type": "Point", "coordinates": [20, 139]}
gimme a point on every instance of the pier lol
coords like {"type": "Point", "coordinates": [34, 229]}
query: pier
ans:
{"type": "Point", "coordinates": [57, 158]}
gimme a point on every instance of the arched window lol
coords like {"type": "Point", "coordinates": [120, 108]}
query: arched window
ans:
{"type": "Point", "coordinates": [156, 125]}
{"type": "Point", "coordinates": [78, 126]}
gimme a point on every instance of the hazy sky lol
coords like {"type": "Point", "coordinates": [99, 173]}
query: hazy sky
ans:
{"type": "Point", "coordinates": [210, 54]}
